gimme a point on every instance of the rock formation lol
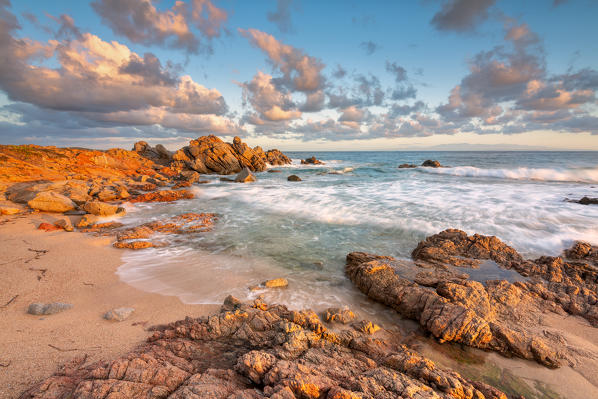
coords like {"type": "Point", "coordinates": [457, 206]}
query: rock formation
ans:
{"type": "Point", "coordinates": [495, 315]}
{"type": "Point", "coordinates": [311, 161]}
{"type": "Point", "coordinates": [431, 164]}
{"type": "Point", "coordinates": [158, 154]}
{"type": "Point", "coordinates": [258, 351]}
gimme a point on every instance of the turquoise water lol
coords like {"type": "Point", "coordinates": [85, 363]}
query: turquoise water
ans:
{"type": "Point", "coordinates": [360, 201]}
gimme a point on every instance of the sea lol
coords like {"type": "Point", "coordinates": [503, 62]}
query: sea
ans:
{"type": "Point", "coordinates": [361, 201]}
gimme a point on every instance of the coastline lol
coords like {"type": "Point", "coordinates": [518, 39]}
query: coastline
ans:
{"type": "Point", "coordinates": [80, 270]}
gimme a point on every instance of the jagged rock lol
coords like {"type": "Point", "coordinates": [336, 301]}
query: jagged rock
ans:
{"type": "Point", "coordinates": [338, 315]}
{"type": "Point", "coordinates": [495, 315]}
{"type": "Point", "coordinates": [158, 154]}
{"type": "Point", "coordinates": [119, 314]}
{"type": "Point", "coordinates": [407, 166]}
{"type": "Point", "coordinates": [431, 164]}
{"type": "Point", "coordinates": [51, 202]}
{"type": "Point", "coordinates": [257, 351]}
{"type": "Point", "coordinates": [164, 196]}
{"type": "Point", "coordinates": [245, 176]}
{"type": "Point", "coordinates": [48, 308]}
{"type": "Point", "coordinates": [190, 176]}
{"type": "Point", "coordinates": [583, 251]}
{"type": "Point", "coordinates": [293, 178]}
{"type": "Point", "coordinates": [99, 208]}
{"type": "Point", "coordinates": [276, 283]}
{"type": "Point", "coordinates": [275, 157]}
{"type": "Point", "coordinates": [311, 161]}
{"type": "Point", "coordinates": [366, 326]}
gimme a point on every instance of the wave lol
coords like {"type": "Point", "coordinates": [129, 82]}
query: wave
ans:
{"type": "Point", "coordinates": [587, 175]}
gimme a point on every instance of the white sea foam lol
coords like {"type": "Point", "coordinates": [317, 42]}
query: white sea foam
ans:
{"type": "Point", "coordinates": [585, 175]}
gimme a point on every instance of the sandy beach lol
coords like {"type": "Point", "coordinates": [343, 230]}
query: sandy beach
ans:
{"type": "Point", "coordinates": [75, 268]}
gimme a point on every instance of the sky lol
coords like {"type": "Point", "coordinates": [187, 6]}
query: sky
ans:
{"type": "Point", "coordinates": [301, 75]}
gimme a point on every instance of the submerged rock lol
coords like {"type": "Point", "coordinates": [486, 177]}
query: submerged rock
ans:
{"type": "Point", "coordinates": [276, 283]}
{"type": "Point", "coordinates": [293, 178]}
{"type": "Point", "coordinates": [48, 308]}
{"type": "Point", "coordinates": [258, 351]}
{"type": "Point", "coordinates": [586, 201]}
{"type": "Point", "coordinates": [407, 166]}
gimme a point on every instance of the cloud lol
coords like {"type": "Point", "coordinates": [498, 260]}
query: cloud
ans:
{"type": "Point", "coordinates": [461, 15]}
{"type": "Point", "coordinates": [369, 47]}
{"type": "Point", "coordinates": [67, 28]}
{"type": "Point", "coordinates": [301, 72]}
{"type": "Point", "coordinates": [140, 22]}
{"type": "Point", "coordinates": [339, 72]}
{"type": "Point", "coordinates": [270, 103]}
{"type": "Point", "coordinates": [282, 16]}
{"type": "Point", "coordinates": [98, 83]}
{"type": "Point", "coordinates": [399, 73]}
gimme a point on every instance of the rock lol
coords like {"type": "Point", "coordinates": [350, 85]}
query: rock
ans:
{"type": "Point", "coordinates": [65, 224]}
{"type": "Point", "coordinates": [190, 176]}
{"type": "Point", "coordinates": [9, 210]}
{"type": "Point", "coordinates": [338, 315]}
{"type": "Point", "coordinates": [119, 314]}
{"type": "Point", "coordinates": [48, 308]}
{"type": "Point", "coordinates": [48, 227]}
{"type": "Point", "coordinates": [87, 220]}
{"type": "Point", "coordinates": [245, 176]}
{"type": "Point", "coordinates": [276, 283]}
{"type": "Point", "coordinates": [431, 164]}
{"type": "Point", "coordinates": [407, 166]}
{"type": "Point", "coordinates": [311, 161]}
{"type": "Point", "coordinates": [494, 315]}
{"type": "Point", "coordinates": [366, 326]}
{"type": "Point", "coordinates": [253, 351]}
{"type": "Point", "coordinates": [51, 202]}
{"type": "Point", "coordinates": [99, 208]}
{"type": "Point", "coordinates": [164, 196]}
{"type": "Point", "coordinates": [275, 157]}
{"type": "Point", "coordinates": [133, 244]}
{"type": "Point", "coordinates": [586, 201]}
{"type": "Point", "coordinates": [158, 154]}
{"type": "Point", "coordinates": [293, 178]}
{"type": "Point", "coordinates": [274, 171]}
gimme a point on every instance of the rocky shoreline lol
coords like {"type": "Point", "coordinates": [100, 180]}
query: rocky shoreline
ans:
{"type": "Point", "coordinates": [255, 349]}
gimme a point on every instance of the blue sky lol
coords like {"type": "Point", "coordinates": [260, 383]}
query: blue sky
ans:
{"type": "Point", "coordinates": [295, 75]}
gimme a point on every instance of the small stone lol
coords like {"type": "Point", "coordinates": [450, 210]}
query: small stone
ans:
{"type": "Point", "coordinates": [65, 224]}
{"type": "Point", "coordinates": [48, 308]}
{"type": "Point", "coordinates": [276, 283]}
{"type": "Point", "coordinates": [293, 178]}
{"type": "Point", "coordinates": [48, 227]}
{"type": "Point", "coordinates": [119, 314]}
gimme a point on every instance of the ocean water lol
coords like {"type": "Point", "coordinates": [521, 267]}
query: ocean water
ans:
{"type": "Point", "coordinates": [361, 201]}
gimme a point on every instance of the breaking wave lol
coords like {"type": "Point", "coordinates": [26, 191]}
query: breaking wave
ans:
{"type": "Point", "coordinates": [585, 175]}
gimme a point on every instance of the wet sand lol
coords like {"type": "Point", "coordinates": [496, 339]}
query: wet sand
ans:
{"type": "Point", "coordinates": [75, 268]}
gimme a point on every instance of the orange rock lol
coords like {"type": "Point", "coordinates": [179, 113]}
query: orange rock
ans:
{"type": "Point", "coordinates": [48, 227]}
{"type": "Point", "coordinates": [164, 196]}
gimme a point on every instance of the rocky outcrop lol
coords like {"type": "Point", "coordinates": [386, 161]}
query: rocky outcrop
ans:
{"type": "Point", "coordinates": [585, 201]}
{"type": "Point", "coordinates": [258, 351]}
{"type": "Point", "coordinates": [139, 237]}
{"type": "Point", "coordinates": [494, 315]}
{"type": "Point", "coordinates": [209, 154]}
{"type": "Point", "coordinates": [431, 164]}
{"type": "Point", "coordinates": [311, 161]}
{"type": "Point", "coordinates": [164, 196]}
{"type": "Point", "coordinates": [275, 157]}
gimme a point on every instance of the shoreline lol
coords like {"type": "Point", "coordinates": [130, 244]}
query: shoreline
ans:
{"type": "Point", "coordinates": [78, 269]}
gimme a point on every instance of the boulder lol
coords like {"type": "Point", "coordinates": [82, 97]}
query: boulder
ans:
{"type": "Point", "coordinates": [407, 166]}
{"type": "Point", "coordinates": [311, 161]}
{"type": "Point", "coordinates": [51, 202]}
{"type": "Point", "coordinates": [9, 210]}
{"type": "Point", "coordinates": [48, 308]}
{"type": "Point", "coordinates": [431, 164]}
{"type": "Point", "coordinates": [48, 227]}
{"type": "Point", "coordinates": [87, 220]}
{"type": "Point", "coordinates": [588, 201]}
{"type": "Point", "coordinates": [338, 315]}
{"type": "Point", "coordinates": [293, 178]}
{"type": "Point", "coordinates": [99, 208]}
{"type": "Point", "coordinates": [245, 176]}
{"type": "Point", "coordinates": [119, 314]}
{"type": "Point", "coordinates": [64, 223]}
{"type": "Point", "coordinates": [275, 157]}
{"type": "Point", "coordinates": [190, 176]}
